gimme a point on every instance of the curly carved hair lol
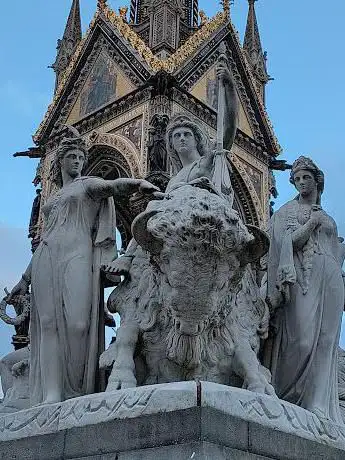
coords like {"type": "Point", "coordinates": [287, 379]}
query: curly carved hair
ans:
{"type": "Point", "coordinates": [75, 142]}
{"type": "Point", "coordinates": [199, 220]}
{"type": "Point", "coordinates": [184, 121]}
{"type": "Point", "coordinates": [307, 164]}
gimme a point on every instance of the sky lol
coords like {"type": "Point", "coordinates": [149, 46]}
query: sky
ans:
{"type": "Point", "coordinates": [304, 41]}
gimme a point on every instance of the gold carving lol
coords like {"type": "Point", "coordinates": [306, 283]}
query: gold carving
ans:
{"type": "Point", "coordinates": [64, 78]}
{"type": "Point", "coordinates": [181, 54]}
{"type": "Point", "coordinates": [203, 17]}
{"type": "Point", "coordinates": [169, 65]}
{"type": "Point", "coordinates": [101, 4]}
{"type": "Point", "coordinates": [123, 12]}
{"type": "Point", "coordinates": [226, 6]}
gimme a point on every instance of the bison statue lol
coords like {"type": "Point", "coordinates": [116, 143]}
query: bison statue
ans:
{"type": "Point", "coordinates": [190, 307]}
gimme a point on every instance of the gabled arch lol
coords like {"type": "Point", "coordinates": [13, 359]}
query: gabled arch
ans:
{"type": "Point", "coordinates": [109, 162]}
{"type": "Point", "coordinates": [245, 203]}
{"type": "Point", "coordinates": [118, 149]}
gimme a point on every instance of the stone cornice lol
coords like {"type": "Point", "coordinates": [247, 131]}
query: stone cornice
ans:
{"type": "Point", "coordinates": [195, 106]}
{"type": "Point", "coordinates": [104, 114]}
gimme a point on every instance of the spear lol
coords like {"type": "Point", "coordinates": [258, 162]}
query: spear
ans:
{"type": "Point", "coordinates": [221, 100]}
{"type": "Point", "coordinates": [221, 175]}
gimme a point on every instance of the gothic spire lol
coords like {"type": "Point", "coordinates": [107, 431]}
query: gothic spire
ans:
{"type": "Point", "coordinates": [253, 49]}
{"type": "Point", "coordinates": [164, 24]}
{"type": "Point", "coordinates": [67, 45]}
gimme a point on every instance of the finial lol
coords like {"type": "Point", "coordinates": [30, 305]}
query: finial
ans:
{"type": "Point", "coordinates": [101, 4]}
{"type": "Point", "coordinates": [69, 42]}
{"type": "Point", "coordinates": [203, 17]}
{"type": "Point", "coordinates": [123, 12]}
{"type": "Point", "coordinates": [226, 6]}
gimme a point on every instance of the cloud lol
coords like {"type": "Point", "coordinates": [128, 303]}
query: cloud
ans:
{"type": "Point", "coordinates": [21, 100]}
{"type": "Point", "coordinates": [15, 254]}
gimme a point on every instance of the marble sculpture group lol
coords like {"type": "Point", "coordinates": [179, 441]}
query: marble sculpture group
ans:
{"type": "Point", "coordinates": [192, 302]}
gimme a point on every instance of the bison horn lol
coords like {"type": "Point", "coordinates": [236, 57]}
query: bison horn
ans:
{"type": "Point", "coordinates": [142, 236]}
{"type": "Point", "coordinates": [256, 248]}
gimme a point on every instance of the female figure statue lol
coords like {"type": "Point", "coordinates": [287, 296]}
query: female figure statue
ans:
{"type": "Point", "coordinates": [79, 235]}
{"type": "Point", "coordinates": [306, 293]}
{"type": "Point", "coordinates": [191, 160]}
{"type": "Point", "coordinates": [140, 299]}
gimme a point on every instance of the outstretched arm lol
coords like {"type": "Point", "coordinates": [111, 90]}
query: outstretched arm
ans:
{"type": "Point", "coordinates": [100, 188]}
{"type": "Point", "coordinates": [231, 105]}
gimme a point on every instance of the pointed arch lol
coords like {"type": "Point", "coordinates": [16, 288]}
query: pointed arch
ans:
{"type": "Point", "coordinates": [246, 201]}
{"type": "Point", "coordinates": [112, 156]}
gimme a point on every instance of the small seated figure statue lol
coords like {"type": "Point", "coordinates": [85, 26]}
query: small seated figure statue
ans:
{"type": "Point", "coordinates": [14, 372]}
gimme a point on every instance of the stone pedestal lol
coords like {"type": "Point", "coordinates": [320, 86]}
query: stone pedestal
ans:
{"type": "Point", "coordinates": [186, 420]}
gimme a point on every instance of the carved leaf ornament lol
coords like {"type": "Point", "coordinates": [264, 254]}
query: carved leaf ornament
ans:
{"type": "Point", "coordinates": [21, 303]}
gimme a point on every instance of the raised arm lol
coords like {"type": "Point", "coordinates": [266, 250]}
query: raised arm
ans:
{"type": "Point", "coordinates": [231, 105]}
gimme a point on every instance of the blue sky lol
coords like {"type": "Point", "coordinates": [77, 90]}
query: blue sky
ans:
{"type": "Point", "coordinates": [304, 41]}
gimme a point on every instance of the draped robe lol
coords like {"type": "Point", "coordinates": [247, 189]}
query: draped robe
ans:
{"type": "Point", "coordinates": [303, 361]}
{"type": "Point", "coordinates": [79, 236]}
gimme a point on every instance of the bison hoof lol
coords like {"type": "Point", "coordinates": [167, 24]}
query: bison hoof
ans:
{"type": "Point", "coordinates": [121, 379]}
{"type": "Point", "coordinates": [121, 385]}
{"type": "Point", "coordinates": [262, 388]}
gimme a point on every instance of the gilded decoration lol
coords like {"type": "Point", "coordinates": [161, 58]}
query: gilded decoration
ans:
{"type": "Point", "coordinates": [181, 54]}
{"type": "Point", "coordinates": [156, 64]}
{"type": "Point", "coordinates": [170, 65]}
{"type": "Point", "coordinates": [100, 86]}
{"type": "Point", "coordinates": [64, 77]}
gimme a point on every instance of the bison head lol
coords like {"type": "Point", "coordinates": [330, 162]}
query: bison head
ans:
{"type": "Point", "coordinates": [200, 247]}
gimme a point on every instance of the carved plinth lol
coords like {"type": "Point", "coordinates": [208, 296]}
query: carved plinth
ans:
{"type": "Point", "coordinates": [178, 420]}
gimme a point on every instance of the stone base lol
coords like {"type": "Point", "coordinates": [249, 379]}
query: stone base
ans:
{"type": "Point", "coordinates": [185, 420]}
